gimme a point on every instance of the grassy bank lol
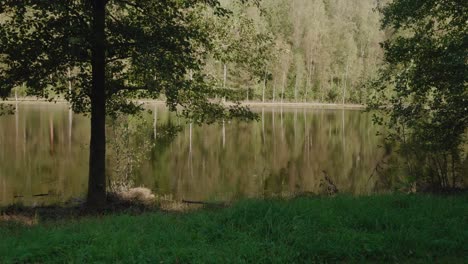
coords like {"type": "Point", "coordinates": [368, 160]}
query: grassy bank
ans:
{"type": "Point", "coordinates": [395, 228]}
{"type": "Point", "coordinates": [267, 104]}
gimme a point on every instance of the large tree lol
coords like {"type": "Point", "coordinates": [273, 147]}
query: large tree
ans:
{"type": "Point", "coordinates": [115, 50]}
{"type": "Point", "coordinates": [422, 87]}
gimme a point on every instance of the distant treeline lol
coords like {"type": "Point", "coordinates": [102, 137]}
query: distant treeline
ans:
{"type": "Point", "coordinates": [301, 50]}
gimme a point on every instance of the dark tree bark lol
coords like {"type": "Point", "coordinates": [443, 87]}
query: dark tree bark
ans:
{"type": "Point", "coordinates": [97, 155]}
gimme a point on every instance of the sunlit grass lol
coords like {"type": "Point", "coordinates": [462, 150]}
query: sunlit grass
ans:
{"type": "Point", "coordinates": [394, 228]}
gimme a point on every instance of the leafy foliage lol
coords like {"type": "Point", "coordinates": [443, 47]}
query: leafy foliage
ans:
{"type": "Point", "coordinates": [150, 48]}
{"type": "Point", "coordinates": [242, 50]}
{"type": "Point", "coordinates": [128, 149]}
{"type": "Point", "coordinates": [116, 50]}
{"type": "Point", "coordinates": [6, 109]}
{"type": "Point", "coordinates": [422, 88]}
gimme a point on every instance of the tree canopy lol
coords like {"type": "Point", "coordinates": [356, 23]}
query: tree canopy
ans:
{"type": "Point", "coordinates": [310, 50]}
{"type": "Point", "coordinates": [113, 50]}
{"type": "Point", "coordinates": [150, 48]}
{"type": "Point", "coordinates": [422, 86]}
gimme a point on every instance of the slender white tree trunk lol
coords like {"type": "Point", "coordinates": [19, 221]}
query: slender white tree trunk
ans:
{"type": "Point", "coordinates": [274, 90]}
{"type": "Point", "coordinates": [224, 75]}
{"type": "Point", "coordinates": [224, 81]}
{"type": "Point", "coordinates": [345, 81]}
{"type": "Point", "coordinates": [309, 77]}
{"type": "Point", "coordinates": [69, 80]}
{"type": "Point", "coordinates": [309, 81]}
{"type": "Point", "coordinates": [264, 85]}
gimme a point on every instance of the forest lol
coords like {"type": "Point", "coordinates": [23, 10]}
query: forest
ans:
{"type": "Point", "coordinates": [299, 51]}
{"type": "Point", "coordinates": [239, 131]}
{"type": "Point", "coordinates": [291, 51]}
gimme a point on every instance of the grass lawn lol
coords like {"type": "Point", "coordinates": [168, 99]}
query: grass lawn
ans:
{"type": "Point", "coordinates": [389, 228]}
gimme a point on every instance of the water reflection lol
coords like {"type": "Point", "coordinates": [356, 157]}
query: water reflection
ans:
{"type": "Point", "coordinates": [42, 156]}
{"type": "Point", "coordinates": [287, 151]}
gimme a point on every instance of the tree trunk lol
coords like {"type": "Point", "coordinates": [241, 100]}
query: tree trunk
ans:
{"type": "Point", "coordinates": [69, 80]}
{"type": "Point", "coordinates": [345, 81]}
{"type": "Point", "coordinates": [309, 81]}
{"type": "Point", "coordinates": [224, 81]}
{"type": "Point", "coordinates": [274, 90]}
{"type": "Point", "coordinates": [97, 153]}
{"type": "Point", "coordinates": [224, 75]}
{"type": "Point", "coordinates": [264, 85]}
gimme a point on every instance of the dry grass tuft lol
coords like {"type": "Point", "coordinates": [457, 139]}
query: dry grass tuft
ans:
{"type": "Point", "coordinates": [139, 195]}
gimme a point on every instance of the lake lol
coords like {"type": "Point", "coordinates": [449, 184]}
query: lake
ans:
{"type": "Point", "coordinates": [44, 154]}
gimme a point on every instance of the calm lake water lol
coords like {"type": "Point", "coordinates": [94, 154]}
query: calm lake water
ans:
{"type": "Point", "coordinates": [44, 154]}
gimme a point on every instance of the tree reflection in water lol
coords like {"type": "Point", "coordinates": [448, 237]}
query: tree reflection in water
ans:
{"type": "Point", "coordinates": [282, 154]}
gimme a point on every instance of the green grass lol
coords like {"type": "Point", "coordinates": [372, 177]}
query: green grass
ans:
{"type": "Point", "coordinates": [393, 228]}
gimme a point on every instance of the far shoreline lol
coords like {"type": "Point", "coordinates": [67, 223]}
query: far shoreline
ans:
{"type": "Point", "coordinates": [253, 104]}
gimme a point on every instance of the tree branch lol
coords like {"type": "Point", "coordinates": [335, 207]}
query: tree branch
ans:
{"type": "Point", "coordinates": [134, 5]}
